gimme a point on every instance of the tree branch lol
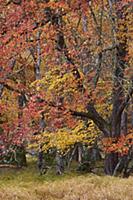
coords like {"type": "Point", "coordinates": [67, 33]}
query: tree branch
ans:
{"type": "Point", "coordinates": [127, 98]}
{"type": "Point", "coordinates": [10, 88]}
{"type": "Point", "coordinates": [94, 115]}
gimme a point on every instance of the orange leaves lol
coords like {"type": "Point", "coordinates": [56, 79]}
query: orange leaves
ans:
{"type": "Point", "coordinates": [59, 89]}
{"type": "Point", "coordinates": [120, 145]}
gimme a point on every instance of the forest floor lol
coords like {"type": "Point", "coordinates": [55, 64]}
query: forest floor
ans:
{"type": "Point", "coordinates": [26, 184]}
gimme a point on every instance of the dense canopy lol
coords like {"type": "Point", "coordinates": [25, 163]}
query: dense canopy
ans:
{"type": "Point", "coordinates": [66, 76]}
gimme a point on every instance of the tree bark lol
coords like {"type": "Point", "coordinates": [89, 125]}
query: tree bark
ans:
{"type": "Point", "coordinates": [59, 164]}
{"type": "Point", "coordinates": [124, 123]}
{"type": "Point", "coordinates": [80, 153]}
{"type": "Point", "coordinates": [110, 163]}
{"type": "Point", "coordinates": [112, 159]}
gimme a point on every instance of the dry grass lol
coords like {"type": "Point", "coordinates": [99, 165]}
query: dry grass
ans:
{"type": "Point", "coordinates": [26, 184]}
{"type": "Point", "coordinates": [89, 187]}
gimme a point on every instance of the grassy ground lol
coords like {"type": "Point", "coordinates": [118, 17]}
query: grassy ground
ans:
{"type": "Point", "coordinates": [26, 184]}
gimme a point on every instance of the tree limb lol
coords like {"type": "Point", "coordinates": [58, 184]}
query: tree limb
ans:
{"type": "Point", "coordinates": [95, 117]}
{"type": "Point", "coordinates": [126, 100]}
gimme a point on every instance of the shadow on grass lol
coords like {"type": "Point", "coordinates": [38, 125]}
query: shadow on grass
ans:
{"type": "Point", "coordinates": [30, 174]}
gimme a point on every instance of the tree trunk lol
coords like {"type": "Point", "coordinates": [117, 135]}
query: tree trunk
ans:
{"type": "Point", "coordinates": [124, 123]}
{"type": "Point", "coordinates": [21, 156]}
{"type": "Point", "coordinates": [132, 112]}
{"type": "Point", "coordinates": [59, 164]}
{"type": "Point", "coordinates": [112, 159]}
{"type": "Point", "coordinates": [80, 153]}
{"type": "Point", "coordinates": [110, 163]}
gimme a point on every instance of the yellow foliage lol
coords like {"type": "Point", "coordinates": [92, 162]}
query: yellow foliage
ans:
{"type": "Point", "coordinates": [64, 138]}
{"type": "Point", "coordinates": [54, 82]}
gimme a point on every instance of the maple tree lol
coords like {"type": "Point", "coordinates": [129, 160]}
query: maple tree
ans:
{"type": "Point", "coordinates": [66, 62]}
